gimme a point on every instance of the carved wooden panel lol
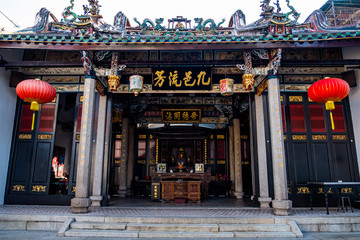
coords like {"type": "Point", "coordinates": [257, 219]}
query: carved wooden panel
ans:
{"type": "Point", "coordinates": [180, 56]}
{"type": "Point", "coordinates": [34, 55]}
{"type": "Point", "coordinates": [330, 54]}
{"type": "Point", "coordinates": [300, 54]}
{"type": "Point", "coordinates": [233, 55]}
{"type": "Point", "coordinates": [133, 56]}
{"type": "Point", "coordinates": [66, 56]}
{"type": "Point", "coordinates": [291, 78]}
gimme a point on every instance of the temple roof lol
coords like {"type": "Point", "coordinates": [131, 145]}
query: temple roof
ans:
{"type": "Point", "coordinates": [90, 32]}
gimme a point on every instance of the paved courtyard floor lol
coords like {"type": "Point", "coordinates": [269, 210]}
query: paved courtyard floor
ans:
{"type": "Point", "coordinates": [217, 207]}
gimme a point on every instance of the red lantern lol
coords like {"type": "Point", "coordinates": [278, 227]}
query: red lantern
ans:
{"type": "Point", "coordinates": [35, 92]}
{"type": "Point", "coordinates": [328, 91]}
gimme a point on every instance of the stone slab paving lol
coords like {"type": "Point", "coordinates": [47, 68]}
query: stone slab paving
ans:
{"type": "Point", "coordinates": [204, 212]}
{"type": "Point", "coordinates": [42, 235]}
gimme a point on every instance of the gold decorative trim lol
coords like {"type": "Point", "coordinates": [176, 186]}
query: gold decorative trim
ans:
{"type": "Point", "coordinates": [303, 190]}
{"type": "Point", "coordinates": [339, 137]}
{"type": "Point", "coordinates": [321, 190]}
{"type": "Point", "coordinates": [220, 137]}
{"type": "Point", "coordinates": [151, 136]}
{"type": "Point", "coordinates": [152, 162]}
{"type": "Point", "coordinates": [205, 151]}
{"type": "Point", "coordinates": [18, 188]}
{"type": "Point", "coordinates": [288, 190]}
{"type": "Point", "coordinates": [285, 137]}
{"type": "Point", "coordinates": [281, 98]}
{"type": "Point", "coordinates": [38, 188]}
{"type": "Point", "coordinates": [221, 162]}
{"type": "Point", "coordinates": [24, 136]}
{"type": "Point", "coordinates": [81, 99]}
{"type": "Point", "coordinates": [245, 162]}
{"type": "Point", "coordinates": [141, 161]}
{"type": "Point", "coordinates": [211, 136]}
{"type": "Point", "coordinates": [295, 98]}
{"type": "Point", "coordinates": [44, 136]}
{"type": "Point", "coordinates": [299, 137]}
{"type": "Point", "coordinates": [142, 136]}
{"type": "Point", "coordinates": [346, 190]}
{"type": "Point", "coordinates": [157, 152]}
{"type": "Point", "coordinates": [118, 136]}
{"type": "Point", "coordinates": [319, 137]}
{"type": "Point", "coordinates": [73, 189]}
{"type": "Point", "coordinates": [77, 136]}
{"type": "Point", "coordinates": [211, 162]}
{"type": "Point", "coordinates": [244, 137]}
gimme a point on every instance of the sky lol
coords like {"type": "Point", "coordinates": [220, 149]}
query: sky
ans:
{"type": "Point", "coordinates": [23, 12]}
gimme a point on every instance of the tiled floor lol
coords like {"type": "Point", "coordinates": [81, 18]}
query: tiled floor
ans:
{"type": "Point", "coordinates": [214, 207]}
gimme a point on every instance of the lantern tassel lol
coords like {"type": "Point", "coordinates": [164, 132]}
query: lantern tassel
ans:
{"type": "Point", "coordinates": [332, 121]}
{"type": "Point", "coordinates": [329, 105]}
{"type": "Point", "coordinates": [33, 121]}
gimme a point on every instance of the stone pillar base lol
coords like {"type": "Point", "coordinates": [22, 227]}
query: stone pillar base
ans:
{"type": "Point", "coordinates": [122, 193]}
{"type": "Point", "coordinates": [282, 207]}
{"type": "Point", "coordinates": [96, 201]}
{"type": "Point", "coordinates": [264, 202]}
{"type": "Point", "coordinates": [239, 194]}
{"type": "Point", "coordinates": [80, 205]}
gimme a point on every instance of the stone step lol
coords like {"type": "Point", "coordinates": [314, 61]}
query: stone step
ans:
{"type": "Point", "coordinates": [188, 235]}
{"type": "Point", "coordinates": [183, 220]}
{"type": "Point", "coordinates": [101, 233]}
{"type": "Point", "coordinates": [266, 235]}
{"type": "Point", "coordinates": [98, 226]}
{"type": "Point", "coordinates": [254, 228]}
{"type": "Point", "coordinates": [172, 227]}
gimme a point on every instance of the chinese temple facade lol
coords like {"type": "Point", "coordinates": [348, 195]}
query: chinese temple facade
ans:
{"type": "Point", "coordinates": [178, 110]}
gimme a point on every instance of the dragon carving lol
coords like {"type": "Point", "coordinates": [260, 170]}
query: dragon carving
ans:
{"type": "Point", "coordinates": [147, 23]}
{"type": "Point", "coordinates": [68, 12]}
{"type": "Point", "coordinates": [201, 25]}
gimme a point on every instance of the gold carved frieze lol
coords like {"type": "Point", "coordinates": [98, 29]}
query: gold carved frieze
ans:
{"type": "Point", "coordinates": [44, 136]}
{"type": "Point", "coordinates": [221, 162]}
{"type": "Point", "coordinates": [311, 70]}
{"type": "Point", "coordinates": [220, 137]}
{"type": "Point", "coordinates": [18, 188]}
{"type": "Point", "coordinates": [118, 136]}
{"type": "Point", "coordinates": [319, 137]}
{"type": "Point", "coordinates": [61, 79]}
{"type": "Point", "coordinates": [141, 162]}
{"type": "Point", "coordinates": [73, 189]}
{"type": "Point", "coordinates": [24, 136]}
{"type": "Point", "coordinates": [226, 70]}
{"type": "Point", "coordinates": [295, 98]}
{"type": "Point", "coordinates": [38, 188]}
{"type": "Point", "coordinates": [303, 190]}
{"type": "Point", "coordinates": [152, 162]}
{"type": "Point", "coordinates": [300, 88]}
{"type": "Point", "coordinates": [77, 136]}
{"type": "Point", "coordinates": [53, 71]}
{"type": "Point", "coordinates": [339, 137]}
{"type": "Point", "coordinates": [302, 78]}
{"type": "Point", "coordinates": [245, 162]}
{"type": "Point", "coordinates": [299, 137]}
{"type": "Point", "coordinates": [244, 137]}
{"type": "Point", "coordinates": [67, 87]}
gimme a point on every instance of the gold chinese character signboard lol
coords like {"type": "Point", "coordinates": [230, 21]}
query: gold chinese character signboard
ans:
{"type": "Point", "coordinates": [181, 78]}
{"type": "Point", "coordinates": [181, 115]}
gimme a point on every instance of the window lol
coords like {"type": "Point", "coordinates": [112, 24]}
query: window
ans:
{"type": "Point", "coordinates": [338, 117]}
{"type": "Point", "coordinates": [297, 118]}
{"type": "Point", "coordinates": [47, 115]}
{"type": "Point", "coordinates": [26, 118]}
{"type": "Point", "coordinates": [317, 118]}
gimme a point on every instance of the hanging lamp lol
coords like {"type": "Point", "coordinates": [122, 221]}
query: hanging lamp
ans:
{"type": "Point", "coordinates": [35, 92]}
{"type": "Point", "coordinates": [328, 91]}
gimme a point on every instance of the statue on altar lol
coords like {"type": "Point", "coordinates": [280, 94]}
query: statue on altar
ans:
{"type": "Point", "coordinates": [181, 160]}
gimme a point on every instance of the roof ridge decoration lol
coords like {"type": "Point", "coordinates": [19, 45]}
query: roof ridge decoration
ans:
{"type": "Point", "coordinates": [272, 26]}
